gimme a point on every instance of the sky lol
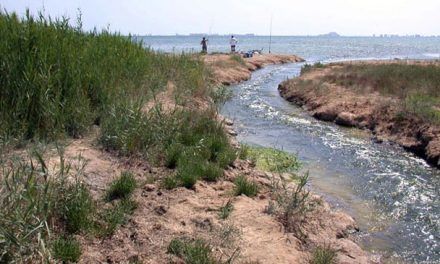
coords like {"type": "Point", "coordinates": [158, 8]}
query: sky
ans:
{"type": "Point", "coordinates": [289, 17]}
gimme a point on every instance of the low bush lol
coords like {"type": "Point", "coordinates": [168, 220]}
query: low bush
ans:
{"type": "Point", "coordinates": [246, 187]}
{"type": "Point", "coordinates": [121, 188]}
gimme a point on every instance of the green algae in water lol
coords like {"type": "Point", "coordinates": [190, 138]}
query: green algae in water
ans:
{"type": "Point", "coordinates": [270, 159]}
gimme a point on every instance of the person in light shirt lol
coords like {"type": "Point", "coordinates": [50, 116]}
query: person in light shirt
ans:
{"type": "Point", "coordinates": [233, 43]}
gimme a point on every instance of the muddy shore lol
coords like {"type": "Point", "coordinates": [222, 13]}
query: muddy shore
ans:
{"type": "Point", "coordinates": [320, 93]}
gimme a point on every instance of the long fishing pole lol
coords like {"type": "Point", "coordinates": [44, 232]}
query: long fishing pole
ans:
{"type": "Point", "coordinates": [270, 36]}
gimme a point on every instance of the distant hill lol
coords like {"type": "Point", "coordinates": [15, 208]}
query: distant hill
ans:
{"type": "Point", "coordinates": [331, 34]}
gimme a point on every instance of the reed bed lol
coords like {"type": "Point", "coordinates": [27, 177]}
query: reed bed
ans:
{"type": "Point", "coordinates": [59, 80]}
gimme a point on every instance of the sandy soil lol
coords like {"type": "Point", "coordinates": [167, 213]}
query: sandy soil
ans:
{"type": "Point", "coordinates": [380, 114]}
{"type": "Point", "coordinates": [254, 236]}
{"type": "Point", "coordinates": [229, 71]}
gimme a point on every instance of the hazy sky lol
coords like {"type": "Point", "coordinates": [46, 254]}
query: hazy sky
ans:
{"type": "Point", "coordinates": [290, 17]}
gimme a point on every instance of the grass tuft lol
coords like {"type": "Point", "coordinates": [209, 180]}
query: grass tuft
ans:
{"type": "Point", "coordinates": [192, 251]}
{"type": "Point", "coordinates": [212, 172]}
{"type": "Point", "coordinates": [246, 187]}
{"type": "Point", "coordinates": [324, 255]}
{"type": "Point", "coordinates": [77, 208]}
{"type": "Point", "coordinates": [66, 250]}
{"type": "Point", "coordinates": [122, 188]}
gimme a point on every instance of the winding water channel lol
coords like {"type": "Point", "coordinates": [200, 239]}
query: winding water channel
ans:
{"type": "Point", "coordinates": [393, 195]}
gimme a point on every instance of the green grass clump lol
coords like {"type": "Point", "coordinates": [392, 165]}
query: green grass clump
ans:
{"type": "Point", "coordinates": [172, 155]}
{"type": "Point", "coordinates": [270, 159]}
{"type": "Point", "coordinates": [122, 188]}
{"type": "Point", "coordinates": [226, 158]}
{"type": "Point", "coordinates": [212, 172]}
{"type": "Point", "coordinates": [192, 251]}
{"type": "Point", "coordinates": [170, 182]}
{"type": "Point", "coordinates": [66, 250]}
{"type": "Point", "coordinates": [189, 170]}
{"type": "Point", "coordinates": [77, 208]}
{"type": "Point", "coordinates": [324, 255]}
{"type": "Point", "coordinates": [226, 210]}
{"type": "Point", "coordinates": [246, 187]}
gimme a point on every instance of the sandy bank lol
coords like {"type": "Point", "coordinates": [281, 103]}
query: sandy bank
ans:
{"type": "Point", "coordinates": [229, 69]}
{"type": "Point", "coordinates": [333, 93]}
{"type": "Point", "coordinates": [163, 215]}
{"type": "Point", "coordinates": [250, 234]}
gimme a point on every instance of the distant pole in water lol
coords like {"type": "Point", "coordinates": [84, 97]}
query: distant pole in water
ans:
{"type": "Point", "coordinates": [270, 36]}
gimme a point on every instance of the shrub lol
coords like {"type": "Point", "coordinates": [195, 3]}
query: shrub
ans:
{"type": "Point", "coordinates": [226, 210]}
{"type": "Point", "coordinates": [196, 251]}
{"type": "Point", "coordinates": [122, 188]}
{"type": "Point", "coordinates": [291, 204]}
{"type": "Point", "coordinates": [324, 255]}
{"type": "Point", "coordinates": [246, 187]}
{"type": "Point", "coordinates": [66, 250]}
{"type": "Point", "coordinates": [292, 201]}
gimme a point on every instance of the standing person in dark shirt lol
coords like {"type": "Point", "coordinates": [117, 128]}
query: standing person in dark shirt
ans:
{"type": "Point", "coordinates": [204, 44]}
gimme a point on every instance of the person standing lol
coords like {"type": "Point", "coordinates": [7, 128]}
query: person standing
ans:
{"type": "Point", "coordinates": [204, 44]}
{"type": "Point", "coordinates": [233, 43]}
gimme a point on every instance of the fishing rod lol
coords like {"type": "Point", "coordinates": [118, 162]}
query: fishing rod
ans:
{"type": "Point", "coordinates": [270, 36]}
